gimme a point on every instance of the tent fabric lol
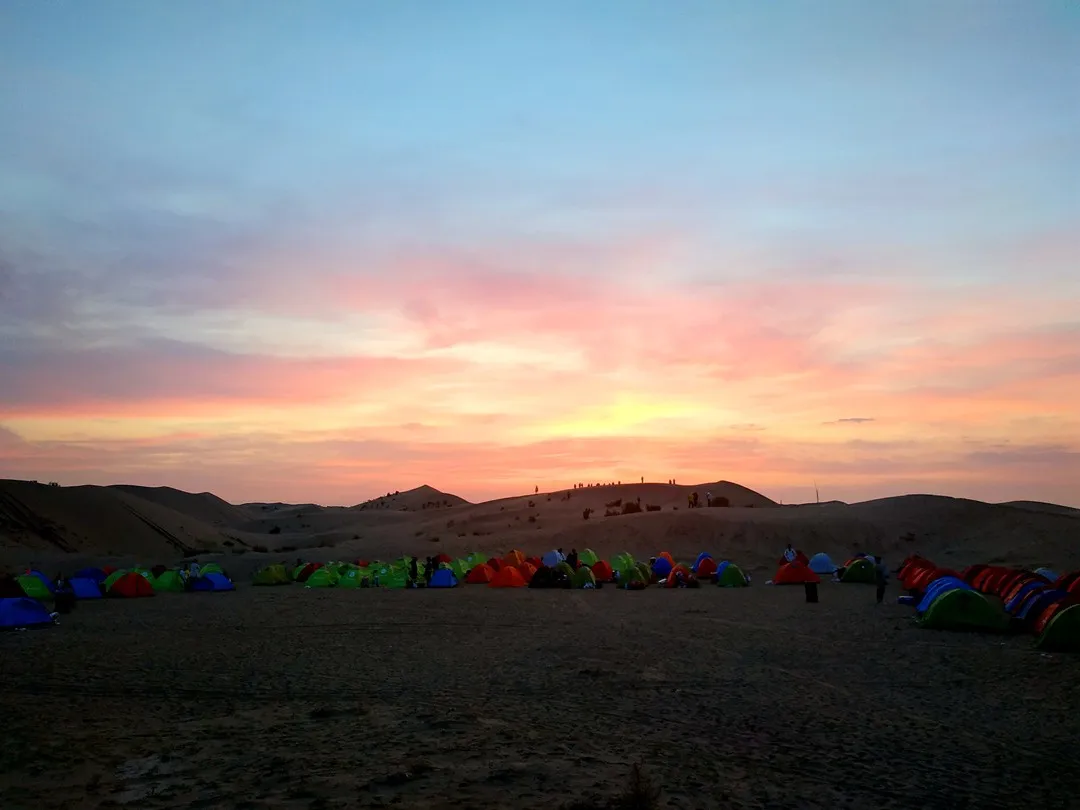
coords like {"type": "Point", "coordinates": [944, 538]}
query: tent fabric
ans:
{"type": "Point", "coordinates": [508, 577]}
{"type": "Point", "coordinates": [936, 589]}
{"type": "Point", "coordinates": [130, 585]}
{"type": "Point", "coordinates": [821, 563]}
{"type": "Point", "coordinates": [1046, 573]}
{"type": "Point", "coordinates": [679, 574]}
{"type": "Point", "coordinates": [96, 574]}
{"type": "Point", "coordinates": [729, 575]}
{"type": "Point", "coordinates": [963, 609]}
{"type": "Point", "coordinates": [794, 573]}
{"type": "Point", "coordinates": [551, 578]}
{"type": "Point", "coordinates": [706, 568]}
{"type": "Point", "coordinates": [353, 578]}
{"type": "Point", "coordinates": [495, 564]}
{"type": "Point", "coordinates": [216, 582]}
{"type": "Point", "coordinates": [321, 578]}
{"type": "Point", "coordinates": [565, 568]}
{"type": "Point", "coordinates": [515, 558]}
{"type": "Point", "coordinates": [111, 578]}
{"type": "Point", "coordinates": [1044, 618]}
{"type": "Point", "coordinates": [1022, 588]}
{"type": "Point", "coordinates": [632, 579]}
{"type": "Point", "coordinates": [859, 571]}
{"type": "Point", "coordinates": [443, 578]}
{"type": "Point", "coordinates": [34, 588]}
{"type": "Point", "coordinates": [443, 558]}
{"type": "Point", "coordinates": [169, 581]}
{"type": "Point", "coordinates": [48, 583]}
{"type": "Point", "coordinates": [550, 559]}
{"type": "Point", "coordinates": [271, 575]}
{"type": "Point", "coordinates": [662, 567]}
{"type": "Point", "coordinates": [85, 588]}
{"type": "Point", "coordinates": [528, 570]}
{"type": "Point", "coordinates": [602, 571]}
{"type": "Point", "coordinates": [588, 557]}
{"type": "Point", "coordinates": [23, 612]}
{"type": "Point", "coordinates": [700, 558]}
{"type": "Point", "coordinates": [303, 573]}
{"type": "Point", "coordinates": [480, 575]}
{"type": "Point", "coordinates": [621, 562]}
{"type": "Point", "coordinates": [584, 577]}
{"type": "Point", "coordinates": [1062, 633]}
{"type": "Point", "coordinates": [210, 568]}
{"type": "Point", "coordinates": [1035, 604]}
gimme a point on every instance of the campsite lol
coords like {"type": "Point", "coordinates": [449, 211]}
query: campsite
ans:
{"type": "Point", "coordinates": [304, 686]}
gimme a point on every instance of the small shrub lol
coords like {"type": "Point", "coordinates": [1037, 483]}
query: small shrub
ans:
{"type": "Point", "coordinates": [532, 505]}
{"type": "Point", "coordinates": [631, 507]}
{"type": "Point", "coordinates": [532, 518]}
{"type": "Point", "coordinates": [585, 513]}
{"type": "Point", "coordinates": [260, 549]}
{"type": "Point", "coordinates": [433, 539]}
{"type": "Point", "coordinates": [276, 530]}
{"type": "Point", "coordinates": [652, 507]}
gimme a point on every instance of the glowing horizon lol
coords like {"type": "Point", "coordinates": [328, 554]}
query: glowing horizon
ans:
{"type": "Point", "coordinates": [487, 248]}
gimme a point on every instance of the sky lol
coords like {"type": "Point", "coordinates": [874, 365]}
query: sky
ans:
{"type": "Point", "coordinates": [319, 251]}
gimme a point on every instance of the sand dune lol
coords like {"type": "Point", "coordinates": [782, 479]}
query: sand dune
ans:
{"type": "Point", "coordinates": [161, 525]}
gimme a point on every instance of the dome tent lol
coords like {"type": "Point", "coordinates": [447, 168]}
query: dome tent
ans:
{"type": "Point", "coordinates": [321, 578]}
{"type": "Point", "coordinates": [443, 578]}
{"type": "Point", "coordinates": [212, 582]}
{"type": "Point", "coordinates": [271, 575]}
{"type": "Point", "coordinates": [963, 609]}
{"type": "Point", "coordinates": [588, 557]}
{"type": "Point", "coordinates": [508, 577]}
{"type": "Point", "coordinates": [795, 573]}
{"type": "Point", "coordinates": [821, 563]}
{"type": "Point", "coordinates": [34, 587]}
{"type": "Point", "coordinates": [22, 611]}
{"type": "Point", "coordinates": [1062, 632]}
{"type": "Point", "coordinates": [169, 581]}
{"type": "Point", "coordinates": [602, 571]}
{"type": "Point", "coordinates": [729, 575]}
{"type": "Point", "coordinates": [85, 588]}
{"type": "Point", "coordinates": [706, 569]}
{"type": "Point", "coordinates": [550, 559]}
{"type": "Point", "coordinates": [583, 578]}
{"type": "Point", "coordinates": [129, 585]}
{"type": "Point", "coordinates": [480, 575]}
{"type": "Point", "coordinates": [860, 571]}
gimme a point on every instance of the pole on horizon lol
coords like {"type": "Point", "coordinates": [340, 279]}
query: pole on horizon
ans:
{"type": "Point", "coordinates": [817, 495]}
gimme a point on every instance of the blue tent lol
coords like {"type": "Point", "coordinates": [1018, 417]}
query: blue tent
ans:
{"type": "Point", "coordinates": [937, 588]}
{"type": "Point", "coordinates": [1047, 573]}
{"type": "Point", "coordinates": [721, 568]}
{"type": "Point", "coordinates": [1014, 604]}
{"type": "Point", "coordinates": [85, 588]}
{"type": "Point", "coordinates": [212, 582]}
{"type": "Point", "coordinates": [702, 556]}
{"type": "Point", "coordinates": [95, 574]}
{"type": "Point", "coordinates": [661, 567]}
{"type": "Point", "coordinates": [821, 564]}
{"type": "Point", "coordinates": [23, 612]}
{"type": "Point", "coordinates": [443, 578]}
{"type": "Point", "coordinates": [1037, 604]}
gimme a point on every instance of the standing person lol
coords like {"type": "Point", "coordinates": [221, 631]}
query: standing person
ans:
{"type": "Point", "coordinates": [429, 569]}
{"type": "Point", "coordinates": [414, 570]}
{"type": "Point", "coordinates": [708, 499]}
{"type": "Point", "coordinates": [571, 558]}
{"type": "Point", "coordinates": [881, 576]}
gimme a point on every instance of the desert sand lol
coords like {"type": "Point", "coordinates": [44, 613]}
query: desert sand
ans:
{"type": "Point", "coordinates": [478, 697]}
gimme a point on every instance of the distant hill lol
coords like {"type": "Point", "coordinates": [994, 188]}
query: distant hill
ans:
{"type": "Point", "coordinates": [107, 520]}
{"type": "Point", "coordinates": [204, 506]}
{"type": "Point", "coordinates": [1039, 506]}
{"type": "Point", "coordinates": [413, 500]}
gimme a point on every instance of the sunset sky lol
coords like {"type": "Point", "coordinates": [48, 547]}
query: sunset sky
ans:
{"type": "Point", "coordinates": [315, 251]}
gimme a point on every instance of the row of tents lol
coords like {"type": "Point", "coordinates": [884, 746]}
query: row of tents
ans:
{"type": "Point", "coordinates": [997, 599]}
{"type": "Point", "coordinates": [24, 597]}
{"type": "Point", "coordinates": [802, 570]}
{"type": "Point", "coordinates": [512, 570]}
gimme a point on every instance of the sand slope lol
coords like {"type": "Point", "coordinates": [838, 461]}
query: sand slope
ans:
{"type": "Point", "coordinates": [160, 525]}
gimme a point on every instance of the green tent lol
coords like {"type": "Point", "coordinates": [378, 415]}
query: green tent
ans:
{"type": "Point", "coordinates": [168, 581]}
{"type": "Point", "coordinates": [353, 578]}
{"type": "Point", "coordinates": [732, 577]}
{"type": "Point", "coordinates": [621, 562]}
{"type": "Point", "coordinates": [460, 567]}
{"type": "Point", "coordinates": [584, 576]}
{"type": "Point", "coordinates": [322, 578]}
{"type": "Point", "coordinates": [210, 568]}
{"type": "Point", "coordinates": [961, 609]}
{"type": "Point", "coordinates": [475, 558]}
{"type": "Point", "coordinates": [588, 557]}
{"type": "Point", "coordinates": [115, 575]}
{"type": "Point", "coordinates": [34, 588]}
{"type": "Point", "coordinates": [860, 571]}
{"type": "Point", "coordinates": [564, 568]}
{"type": "Point", "coordinates": [1062, 634]}
{"type": "Point", "coordinates": [272, 575]}
{"type": "Point", "coordinates": [646, 574]}
{"type": "Point", "coordinates": [632, 574]}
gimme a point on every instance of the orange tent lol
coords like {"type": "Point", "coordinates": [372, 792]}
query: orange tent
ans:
{"type": "Point", "coordinates": [480, 575]}
{"type": "Point", "coordinates": [794, 573]}
{"type": "Point", "coordinates": [515, 557]}
{"type": "Point", "coordinates": [602, 571]}
{"type": "Point", "coordinates": [508, 577]}
{"type": "Point", "coordinates": [131, 585]}
{"type": "Point", "coordinates": [672, 580]}
{"type": "Point", "coordinates": [527, 570]}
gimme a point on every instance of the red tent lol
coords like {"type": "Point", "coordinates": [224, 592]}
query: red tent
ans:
{"type": "Point", "coordinates": [508, 577]}
{"type": "Point", "coordinates": [443, 558]}
{"type": "Point", "coordinates": [495, 564]}
{"type": "Point", "coordinates": [515, 557]}
{"type": "Point", "coordinates": [794, 574]}
{"type": "Point", "coordinates": [307, 571]}
{"type": "Point", "coordinates": [131, 585]}
{"type": "Point", "coordinates": [362, 563]}
{"type": "Point", "coordinates": [602, 571]}
{"type": "Point", "coordinates": [706, 568]}
{"type": "Point", "coordinates": [672, 580]}
{"type": "Point", "coordinates": [480, 575]}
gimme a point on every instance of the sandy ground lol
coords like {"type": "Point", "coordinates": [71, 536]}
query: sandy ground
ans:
{"type": "Point", "coordinates": [477, 697]}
